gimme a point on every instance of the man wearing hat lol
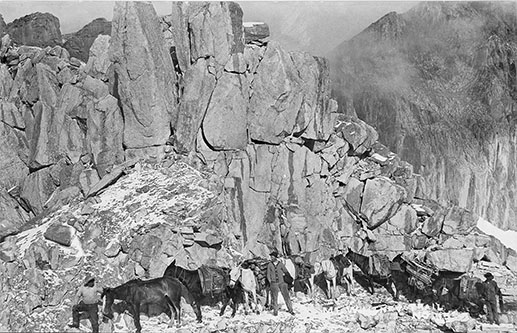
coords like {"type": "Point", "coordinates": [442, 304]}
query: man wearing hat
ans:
{"type": "Point", "coordinates": [491, 293]}
{"type": "Point", "coordinates": [275, 275]}
{"type": "Point", "coordinates": [86, 300]}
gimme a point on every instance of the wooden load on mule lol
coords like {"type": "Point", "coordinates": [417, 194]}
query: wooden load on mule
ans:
{"type": "Point", "coordinates": [259, 268]}
{"type": "Point", "coordinates": [213, 279]}
{"type": "Point", "coordinates": [421, 274]}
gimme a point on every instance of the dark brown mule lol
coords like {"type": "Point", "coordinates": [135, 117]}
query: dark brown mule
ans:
{"type": "Point", "coordinates": [140, 294]}
{"type": "Point", "coordinates": [192, 280]}
{"type": "Point", "coordinates": [381, 276]}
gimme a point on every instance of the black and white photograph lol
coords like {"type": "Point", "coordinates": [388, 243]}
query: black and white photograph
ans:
{"type": "Point", "coordinates": [258, 166]}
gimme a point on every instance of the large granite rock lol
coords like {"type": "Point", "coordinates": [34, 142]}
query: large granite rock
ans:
{"type": "Point", "coordinates": [11, 216]}
{"type": "Point", "coordinates": [199, 86]}
{"type": "Point", "coordinates": [224, 125]}
{"type": "Point", "coordinates": [381, 200]}
{"type": "Point", "coordinates": [458, 221]}
{"type": "Point", "coordinates": [13, 156]}
{"type": "Point", "coordinates": [454, 260]}
{"type": "Point", "coordinates": [78, 43]}
{"type": "Point", "coordinates": [105, 128]}
{"type": "Point", "coordinates": [59, 233]}
{"type": "Point", "coordinates": [357, 133]}
{"type": "Point", "coordinates": [98, 60]}
{"type": "Point", "coordinates": [289, 96]}
{"type": "Point", "coordinates": [37, 29]}
{"type": "Point", "coordinates": [144, 75]}
{"type": "Point", "coordinates": [55, 133]}
{"type": "Point", "coordinates": [37, 188]}
{"type": "Point", "coordinates": [175, 31]}
{"type": "Point", "coordinates": [432, 225]}
{"type": "Point", "coordinates": [404, 222]}
{"type": "Point", "coordinates": [215, 30]}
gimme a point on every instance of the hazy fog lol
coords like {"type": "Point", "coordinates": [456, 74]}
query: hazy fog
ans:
{"type": "Point", "coordinates": [313, 26]}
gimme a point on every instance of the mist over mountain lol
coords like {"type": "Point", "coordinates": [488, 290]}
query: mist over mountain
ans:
{"type": "Point", "coordinates": [439, 84]}
{"type": "Point", "coordinates": [317, 27]}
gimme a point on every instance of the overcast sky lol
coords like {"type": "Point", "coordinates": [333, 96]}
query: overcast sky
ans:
{"type": "Point", "coordinates": [73, 15]}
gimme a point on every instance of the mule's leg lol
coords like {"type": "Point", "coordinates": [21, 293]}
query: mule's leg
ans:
{"type": "Point", "coordinates": [234, 306]}
{"type": "Point", "coordinates": [197, 310]}
{"type": "Point", "coordinates": [178, 312]}
{"type": "Point", "coordinates": [246, 302]}
{"type": "Point", "coordinates": [174, 306]}
{"type": "Point", "coordinates": [311, 285]}
{"type": "Point", "coordinates": [334, 287]}
{"type": "Point", "coordinates": [254, 295]}
{"type": "Point", "coordinates": [350, 277]}
{"type": "Point", "coordinates": [136, 317]}
{"type": "Point", "coordinates": [225, 304]}
{"type": "Point", "coordinates": [390, 289]}
{"type": "Point", "coordinates": [268, 299]}
{"type": "Point", "coordinates": [370, 284]}
{"type": "Point", "coordinates": [397, 292]}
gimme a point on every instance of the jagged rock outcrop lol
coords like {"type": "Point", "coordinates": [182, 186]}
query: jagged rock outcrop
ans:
{"type": "Point", "coordinates": [288, 102]}
{"type": "Point", "coordinates": [37, 29]}
{"type": "Point", "coordinates": [57, 121]}
{"type": "Point", "coordinates": [144, 75]}
{"type": "Point", "coordinates": [447, 110]}
{"type": "Point", "coordinates": [78, 44]}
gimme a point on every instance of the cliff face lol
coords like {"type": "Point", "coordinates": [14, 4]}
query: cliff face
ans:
{"type": "Point", "coordinates": [439, 84]}
{"type": "Point", "coordinates": [179, 141]}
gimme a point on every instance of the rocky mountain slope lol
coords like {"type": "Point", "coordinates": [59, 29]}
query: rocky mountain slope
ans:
{"type": "Point", "coordinates": [193, 137]}
{"type": "Point", "coordinates": [439, 84]}
{"type": "Point", "coordinates": [43, 29]}
{"type": "Point", "coordinates": [37, 29]}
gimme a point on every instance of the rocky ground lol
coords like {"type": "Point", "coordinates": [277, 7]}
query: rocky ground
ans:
{"type": "Point", "coordinates": [360, 312]}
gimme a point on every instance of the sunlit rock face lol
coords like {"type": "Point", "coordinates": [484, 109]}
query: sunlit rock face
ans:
{"type": "Point", "coordinates": [438, 83]}
{"type": "Point", "coordinates": [144, 75]}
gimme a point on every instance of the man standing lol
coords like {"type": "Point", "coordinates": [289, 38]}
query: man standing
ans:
{"type": "Point", "coordinates": [275, 275]}
{"type": "Point", "coordinates": [86, 300]}
{"type": "Point", "coordinates": [492, 292]}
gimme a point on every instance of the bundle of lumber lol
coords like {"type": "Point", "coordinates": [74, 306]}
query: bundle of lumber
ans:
{"type": "Point", "coordinates": [259, 268]}
{"type": "Point", "coordinates": [422, 274]}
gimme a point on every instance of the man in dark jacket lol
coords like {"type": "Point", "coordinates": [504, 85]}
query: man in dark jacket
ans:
{"type": "Point", "coordinates": [275, 276]}
{"type": "Point", "coordinates": [492, 292]}
{"type": "Point", "coordinates": [87, 299]}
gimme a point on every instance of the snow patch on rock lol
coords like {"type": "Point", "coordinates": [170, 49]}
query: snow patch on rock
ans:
{"type": "Point", "coordinates": [507, 237]}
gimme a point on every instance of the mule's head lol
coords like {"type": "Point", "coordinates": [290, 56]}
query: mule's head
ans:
{"type": "Point", "coordinates": [109, 298]}
{"type": "Point", "coordinates": [170, 270]}
{"type": "Point", "coordinates": [235, 275]}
